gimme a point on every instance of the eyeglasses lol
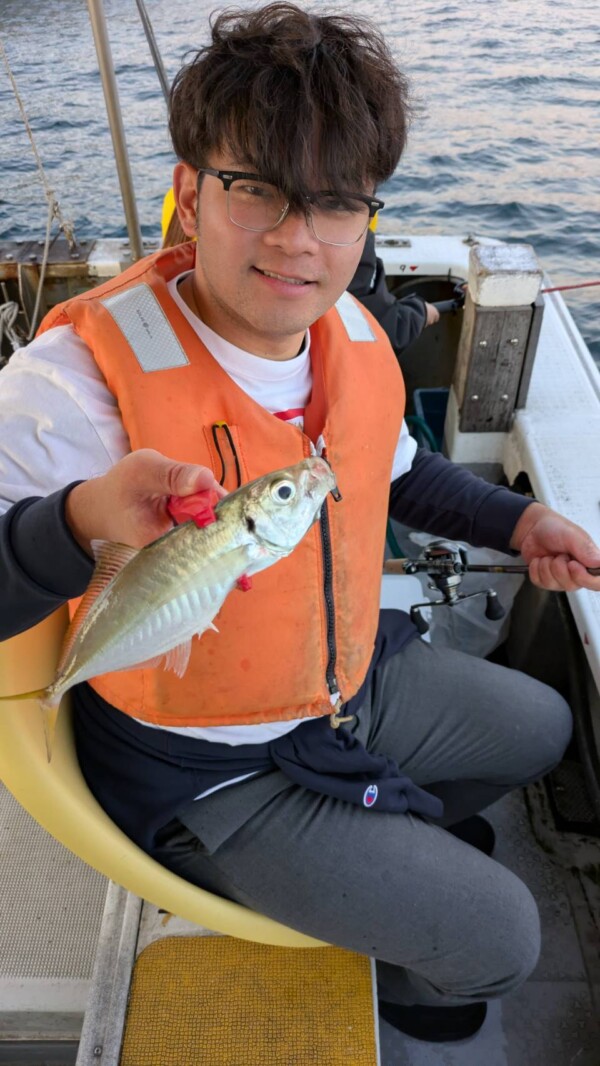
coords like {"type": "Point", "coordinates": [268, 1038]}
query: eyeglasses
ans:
{"type": "Point", "coordinates": [254, 204]}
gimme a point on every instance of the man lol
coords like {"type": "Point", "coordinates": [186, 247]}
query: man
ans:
{"type": "Point", "coordinates": [236, 357]}
{"type": "Point", "coordinates": [403, 320]}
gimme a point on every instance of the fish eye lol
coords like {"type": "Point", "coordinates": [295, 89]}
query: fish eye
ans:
{"type": "Point", "coordinates": [282, 491]}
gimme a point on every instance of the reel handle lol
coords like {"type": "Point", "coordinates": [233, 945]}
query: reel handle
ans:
{"type": "Point", "coordinates": [493, 608]}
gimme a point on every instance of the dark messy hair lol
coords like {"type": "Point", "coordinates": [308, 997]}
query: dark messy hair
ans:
{"type": "Point", "coordinates": [296, 95]}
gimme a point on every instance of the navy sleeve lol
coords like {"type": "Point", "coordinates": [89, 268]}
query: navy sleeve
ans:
{"type": "Point", "coordinates": [41, 564]}
{"type": "Point", "coordinates": [440, 497]}
{"type": "Point", "coordinates": [403, 320]}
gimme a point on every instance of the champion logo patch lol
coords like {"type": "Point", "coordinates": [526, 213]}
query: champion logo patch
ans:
{"type": "Point", "coordinates": [370, 796]}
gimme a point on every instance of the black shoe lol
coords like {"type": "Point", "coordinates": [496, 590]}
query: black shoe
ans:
{"type": "Point", "coordinates": [436, 1024]}
{"type": "Point", "coordinates": [475, 831]}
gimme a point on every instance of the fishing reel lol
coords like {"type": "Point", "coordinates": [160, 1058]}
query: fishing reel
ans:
{"type": "Point", "coordinates": [446, 563]}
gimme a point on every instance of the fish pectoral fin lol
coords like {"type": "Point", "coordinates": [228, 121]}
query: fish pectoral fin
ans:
{"type": "Point", "coordinates": [177, 658]}
{"type": "Point", "coordinates": [148, 664]}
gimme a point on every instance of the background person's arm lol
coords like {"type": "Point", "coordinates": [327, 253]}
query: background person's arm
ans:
{"type": "Point", "coordinates": [402, 319]}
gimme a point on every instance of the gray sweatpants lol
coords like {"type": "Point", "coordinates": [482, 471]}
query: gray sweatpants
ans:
{"type": "Point", "coordinates": [446, 923]}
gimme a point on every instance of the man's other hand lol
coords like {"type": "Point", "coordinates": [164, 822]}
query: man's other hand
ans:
{"type": "Point", "coordinates": [556, 550]}
{"type": "Point", "coordinates": [129, 503]}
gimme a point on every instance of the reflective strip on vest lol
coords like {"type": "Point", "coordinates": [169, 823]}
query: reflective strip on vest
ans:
{"type": "Point", "coordinates": [146, 329]}
{"type": "Point", "coordinates": [355, 323]}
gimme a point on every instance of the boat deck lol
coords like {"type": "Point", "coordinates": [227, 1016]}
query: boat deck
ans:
{"type": "Point", "coordinates": [553, 1020]}
{"type": "Point", "coordinates": [51, 904]}
{"type": "Point", "coordinates": [51, 919]}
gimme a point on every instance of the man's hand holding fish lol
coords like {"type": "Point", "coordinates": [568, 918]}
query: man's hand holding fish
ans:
{"type": "Point", "coordinates": [128, 504]}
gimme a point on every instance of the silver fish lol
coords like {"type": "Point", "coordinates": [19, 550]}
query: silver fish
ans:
{"type": "Point", "coordinates": [144, 606]}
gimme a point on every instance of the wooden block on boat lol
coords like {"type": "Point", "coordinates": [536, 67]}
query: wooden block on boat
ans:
{"type": "Point", "coordinates": [504, 275]}
{"type": "Point", "coordinates": [501, 327]}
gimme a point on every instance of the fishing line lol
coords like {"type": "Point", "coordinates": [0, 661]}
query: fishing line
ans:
{"type": "Point", "coordinates": [563, 288]}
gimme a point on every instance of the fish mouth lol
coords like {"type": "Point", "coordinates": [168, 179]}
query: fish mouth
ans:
{"type": "Point", "coordinates": [333, 491]}
{"type": "Point", "coordinates": [316, 479]}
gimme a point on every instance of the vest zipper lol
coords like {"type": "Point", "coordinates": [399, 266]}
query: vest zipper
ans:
{"type": "Point", "coordinates": [329, 601]}
{"type": "Point", "coordinates": [332, 684]}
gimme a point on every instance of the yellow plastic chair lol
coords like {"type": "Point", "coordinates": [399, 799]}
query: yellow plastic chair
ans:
{"type": "Point", "coordinates": [55, 795]}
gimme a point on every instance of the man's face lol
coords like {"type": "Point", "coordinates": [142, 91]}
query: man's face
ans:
{"type": "Point", "coordinates": [261, 290]}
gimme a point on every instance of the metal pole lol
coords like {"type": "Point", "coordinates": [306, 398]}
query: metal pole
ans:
{"type": "Point", "coordinates": [111, 96]}
{"type": "Point", "coordinates": [156, 56]}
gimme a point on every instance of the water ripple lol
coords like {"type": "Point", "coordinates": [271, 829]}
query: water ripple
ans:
{"type": "Point", "coordinates": [505, 142]}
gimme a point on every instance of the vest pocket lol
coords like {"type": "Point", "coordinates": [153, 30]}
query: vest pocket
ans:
{"type": "Point", "coordinates": [226, 456]}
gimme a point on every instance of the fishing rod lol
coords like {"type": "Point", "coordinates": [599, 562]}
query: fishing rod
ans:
{"type": "Point", "coordinates": [563, 288]}
{"type": "Point", "coordinates": [441, 566]}
{"type": "Point", "coordinates": [154, 50]}
{"type": "Point", "coordinates": [458, 300]}
{"type": "Point", "coordinates": [446, 564]}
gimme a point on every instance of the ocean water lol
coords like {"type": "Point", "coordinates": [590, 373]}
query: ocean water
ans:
{"type": "Point", "coordinates": [506, 142]}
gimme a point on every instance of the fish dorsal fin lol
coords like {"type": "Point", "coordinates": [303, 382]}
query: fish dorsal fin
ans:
{"type": "Point", "coordinates": [110, 560]}
{"type": "Point", "coordinates": [111, 557]}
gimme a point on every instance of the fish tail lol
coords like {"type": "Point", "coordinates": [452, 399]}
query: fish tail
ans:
{"type": "Point", "coordinates": [48, 707]}
{"type": "Point", "coordinates": [37, 694]}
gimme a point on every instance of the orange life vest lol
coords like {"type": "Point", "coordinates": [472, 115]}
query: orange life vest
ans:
{"type": "Point", "coordinates": [281, 647]}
